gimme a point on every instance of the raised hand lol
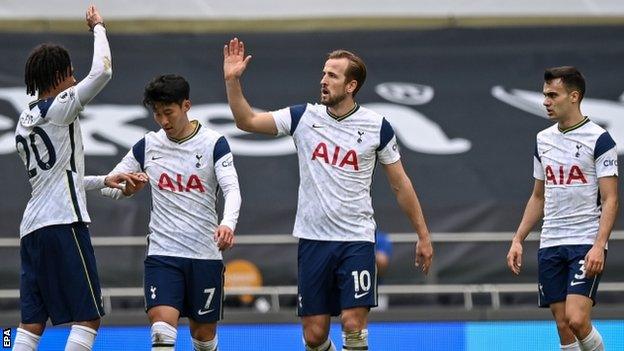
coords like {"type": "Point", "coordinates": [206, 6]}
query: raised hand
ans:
{"type": "Point", "coordinates": [224, 237]}
{"type": "Point", "coordinates": [93, 17]}
{"type": "Point", "coordinates": [234, 60]}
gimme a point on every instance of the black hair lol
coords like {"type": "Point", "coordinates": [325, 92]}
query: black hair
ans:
{"type": "Point", "coordinates": [46, 67]}
{"type": "Point", "coordinates": [571, 78]}
{"type": "Point", "coordinates": [167, 89]}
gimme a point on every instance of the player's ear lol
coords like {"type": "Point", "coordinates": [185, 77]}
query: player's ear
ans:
{"type": "Point", "coordinates": [575, 96]}
{"type": "Point", "coordinates": [351, 86]}
{"type": "Point", "coordinates": [186, 105]}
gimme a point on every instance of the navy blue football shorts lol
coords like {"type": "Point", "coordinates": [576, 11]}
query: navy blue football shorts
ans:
{"type": "Point", "coordinates": [561, 272]}
{"type": "Point", "coordinates": [59, 277]}
{"type": "Point", "coordinates": [335, 275]}
{"type": "Point", "coordinates": [192, 286]}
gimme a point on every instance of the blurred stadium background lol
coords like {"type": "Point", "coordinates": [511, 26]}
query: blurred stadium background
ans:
{"type": "Point", "coordinates": [459, 80]}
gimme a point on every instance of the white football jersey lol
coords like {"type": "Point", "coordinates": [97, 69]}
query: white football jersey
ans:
{"type": "Point", "coordinates": [337, 157]}
{"type": "Point", "coordinates": [184, 177]}
{"type": "Point", "coordinates": [570, 163]}
{"type": "Point", "coordinates": [49, 142]}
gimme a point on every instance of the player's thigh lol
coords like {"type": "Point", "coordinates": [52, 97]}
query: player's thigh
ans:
{"type": "Point", "coordinates": [316, 278]}
{"type": "Point", "coordinates": [163, 284]}
{"type": "Point", "coordinates": [553, 270]}
{"type": "Point", "coordinates": [202, 331]}
{"type": "Point", "coordinates": [357, 275]}
{"type": "Point", "coordinates": [578, 281]}
{"type": "Point", "coordinates": [204, 290]}
{"type": "Point", "coordinates": [32, 307]}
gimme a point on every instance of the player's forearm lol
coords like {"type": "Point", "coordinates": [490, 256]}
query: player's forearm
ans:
{"type": "Point", "coordinates": [101, 67]}
{"type": "Point", "coordinates": [607, 220]}
{"type": "Point", "coordinates": [242, 111]}
{"type": "Point", "coordinates": [409, 204]}
{"type": "Point", "coordinates": [94, 182]}
{"type": "Point", "coordinates": [232, 203]}
{"type": "Point", "coordinates": [533, 212]}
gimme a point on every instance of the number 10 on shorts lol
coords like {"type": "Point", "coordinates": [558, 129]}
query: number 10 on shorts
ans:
{"type": "Point", "coordinates": [361, 280]}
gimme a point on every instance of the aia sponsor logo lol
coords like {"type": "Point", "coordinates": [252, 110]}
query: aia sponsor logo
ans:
{"type": "Point", "coordinates": [338, 157]}
{"type": "Point", "coordinates": [179, 184]}
{"type": "Point", "coordinates": [561, 176]}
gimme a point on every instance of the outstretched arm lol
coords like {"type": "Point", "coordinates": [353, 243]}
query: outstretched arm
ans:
{"type": "Point", "coordinates": [101, 66]}
{"type": "Point", "coordinates": [409, 204]}
{"type": "Point", "coordinates": [234, 64]}
{"type": "Point", "coordinates": [533, 212]}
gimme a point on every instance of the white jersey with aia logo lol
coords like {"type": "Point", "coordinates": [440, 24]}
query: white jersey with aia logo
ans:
{"type": "Point", "coordinates": [185, 176]}
{"type": "Point", "coordinates": [337, 157]}
{"type": "Point", "coordinates": [570, 163]}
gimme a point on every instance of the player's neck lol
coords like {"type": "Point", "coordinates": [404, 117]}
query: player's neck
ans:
{"type": "Point", "coordinates": [50, 93]}
{"type": "Point", "coordinates": [571, 121]}
{"type": "Point", "coordinates": [342, 108]}
{"type": "Point", "coordinates": [188, 129]}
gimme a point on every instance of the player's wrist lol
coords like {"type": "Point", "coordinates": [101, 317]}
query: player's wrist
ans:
{"type": "Point", "coordinates": [92, 27]}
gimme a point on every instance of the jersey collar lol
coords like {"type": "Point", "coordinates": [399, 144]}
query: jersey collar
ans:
{"type": "Point", "coordinates": [576, 126]}
{"type": "Point", "coordinates": [340, 118]}
{"type": "Point", "coordinates": [190, 136]}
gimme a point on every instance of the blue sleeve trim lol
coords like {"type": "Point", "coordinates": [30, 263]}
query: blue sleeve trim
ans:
{"type": "Point", "coordinates": [536, 154]}
{"type": "Point", "coordinates": [386, 134]}
{"type": "Point", "coordinates": [603, 144]}
{"type": "Point", "coordinates": [44, 106]}
{"type": "Point", "coordinates": [138, 150]}
{"type": "Point", "coordinates": [295, 116]}
{"type": "Point", "coordinates": [221, 149]}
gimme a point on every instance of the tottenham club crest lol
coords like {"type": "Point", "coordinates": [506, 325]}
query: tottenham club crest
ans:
{"type": "Point", "coordinates": [360, 133]}
{"type": "Point", "coordinates": [198, 157]}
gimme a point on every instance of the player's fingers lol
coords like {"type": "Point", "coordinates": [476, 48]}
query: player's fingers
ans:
{"type": "Point", "coordinates": [241, 48]}
{"type": "Point", "coordinates": [226, 51]}
{"type": "Point", "coordinates": [247, 59]}
{"type": "Point", "coordinates": [234, 46]}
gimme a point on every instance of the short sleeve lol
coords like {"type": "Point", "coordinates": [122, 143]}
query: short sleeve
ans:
{"type": "Point", "coordinates": [605, 156]}
{"type": "Point", "coordinates": [388, 150]}
{"type": "Point", "coordinates": [538, 170]}
{"type": "Point", "coordinates": [287, 119]}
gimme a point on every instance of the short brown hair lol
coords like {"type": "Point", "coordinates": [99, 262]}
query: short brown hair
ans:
{"type": "Point", "coordinates": [571, 78]}
{"type": "Point", "coordinates": [356, 69]}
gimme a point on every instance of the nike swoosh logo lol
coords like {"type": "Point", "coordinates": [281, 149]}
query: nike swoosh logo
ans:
{"type": "Point", "coordinates": [317, 126]}
{"type": "Point", "coordinates": [573, 283]}
{"type": "Point", "coordinates": [156, 157]}
{"type": "Point", "coordinates": [357, 296]}
{"type": "Point", "coordinates": [203, 312]}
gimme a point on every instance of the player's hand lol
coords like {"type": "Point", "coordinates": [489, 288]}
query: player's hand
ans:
{"type": "Point", "coordinates": [514, 257]}
{"type": "Point", "coordinates": [594, 261]}
{"type": "Point", "coordinates": [140, 179]}
{"type": "Point", "coordinates": [424, 255]}
{"type": "Point", "coordinates": [93, 17]}
{"type": "Point", "coordinates": [224, 237]}
{"type": "Point", "coordinates": [117, 180]}
{"type": "Point", "coordinates": [234, 60]}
